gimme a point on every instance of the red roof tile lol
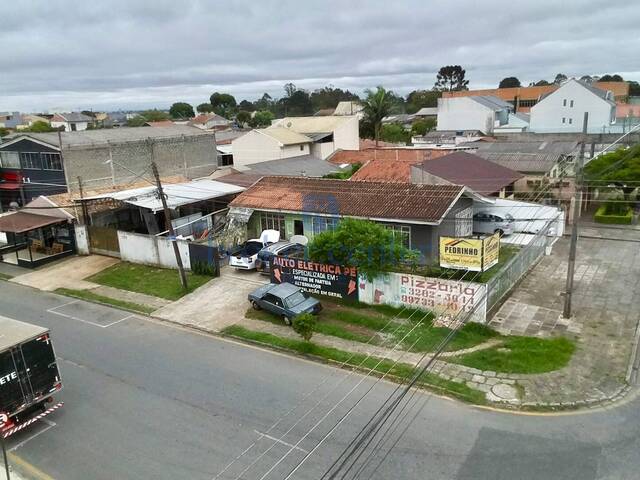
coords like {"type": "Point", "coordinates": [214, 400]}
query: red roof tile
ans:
{"type": "Point", "coordinates": [403, 154]}
{"type": "Point", "coordinates": [377, 200]}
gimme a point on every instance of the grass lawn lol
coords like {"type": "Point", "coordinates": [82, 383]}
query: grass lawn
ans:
{"type": "Point", "coordinates": [507, 252]}
{"type": "Point", "coordinates": [399, 371]}
{"type": "Point", "coordinates": [94, 297]}
{"type": "Point", "coordinates": [158, 282]}
{"type": "Point", "coordinates": [521, 355]}
{"type": "Point", "coordinates": [387, 326]}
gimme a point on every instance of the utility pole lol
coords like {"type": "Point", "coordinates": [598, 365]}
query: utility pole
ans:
{"type": "Point", "coordinates": [577, 202]}
{"type": "Point", "coordinates": [169, 226]}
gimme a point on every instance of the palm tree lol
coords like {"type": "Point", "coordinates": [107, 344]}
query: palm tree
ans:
{"type": "Point", "coordinates": [376, 106]}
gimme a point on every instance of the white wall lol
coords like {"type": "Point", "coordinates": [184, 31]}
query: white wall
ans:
{"type": "Point", "coordinates": [347, 135]}
{"type": "Point", "coordinates": [443, 297]}
{"type": "Point", "coordinates": [67, 126]}
{"type": "Point", "coordinates": [322, 150]}
{"type": "Point", "coordinates": [152, 250]}
{"type": "Point", "coordinates": [547, 115]}
{"type": "Point", "coordinates": [255, 147]}
{"type": "Point", "coordinates": [462, 113]}
{"type": "Point", "coordinates": [82, 239]}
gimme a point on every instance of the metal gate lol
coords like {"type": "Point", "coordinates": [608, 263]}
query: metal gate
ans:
{"type": "Point", "coordinates": [104, 240]}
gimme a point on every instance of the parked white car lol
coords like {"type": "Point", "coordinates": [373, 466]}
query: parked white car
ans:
{"type": "Point", "coordinates": [245, 256]}
{"type": "Point", "coordinates": [490, 222]}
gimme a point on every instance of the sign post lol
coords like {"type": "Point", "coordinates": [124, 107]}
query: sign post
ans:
{"type": "Point", "coordinates": [3, 420]}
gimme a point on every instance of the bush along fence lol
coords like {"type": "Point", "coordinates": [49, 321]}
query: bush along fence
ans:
{"type": "Point", "coordinates": [445, 297]}
{"type": "Point", "coordinates": [604, 216]}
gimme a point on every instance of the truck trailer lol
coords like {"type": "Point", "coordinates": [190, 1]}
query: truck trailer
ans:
{"type": "Point", "coordinates": [29, 375]}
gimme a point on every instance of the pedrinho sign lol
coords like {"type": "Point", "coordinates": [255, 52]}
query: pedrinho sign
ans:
{"type": "Point", "coordinates": [316, 278]}
{"type": "Point", "coordinates": [448, 299]}
{"type": "Point", "coordinates": [474, 254]}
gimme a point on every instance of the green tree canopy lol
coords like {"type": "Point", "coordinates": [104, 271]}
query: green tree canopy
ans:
{"type": "Point", "coordinates": [620, 169]}
{"type": "Point", "coordinates": [181, 110]}
{"type": "Point", "coordinates": [243, 117]}
{"type": "Point", "coordinates": [261, 119]}
{"type": "Point", "coordinates": [40, 127]}
{"type": "Point", "coordinates": [421, 98]}
{"type": "Point", "coordinates": [204, 108]}
{"type": "Point", "coordinates": [224, 104]}
{"type": "Point", "coordinates": [247, 106]}
{"type": "Point", "coordinates": [376, 105]}
{"type": "Point", "coordinates": [539, 83]}
{"type": "Point", "coordinates": [155, 115]}
{"type": "Point", "coordinates": [509, 82]}
{"type": "Point", "coordinates": [394, 133]}
{"type": "Point", "coordinates": [422, 126]}
{"type": "Point", "coordinates": [366, 245]}
{"type": "Point", "coordinates": [560, 78]}
{"type": "Point", "coordinates": [451, 78]}
{"type": "Point", "coordinates": [611, 78]}
{"type": "Point", "coordinates": [329, 97]}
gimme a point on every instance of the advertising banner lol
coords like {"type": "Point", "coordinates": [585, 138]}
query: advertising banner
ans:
{"type": "Point", "coordinates": [473, 254]}
{"type": "Point", "coordinates": [448, 299]}
{"type": "Point", "coordinates": [316, 278]}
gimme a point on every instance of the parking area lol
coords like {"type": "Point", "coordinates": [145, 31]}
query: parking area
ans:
{"type": "Point", "coordinates": [90, 313]}
{"type": "Point", "coordinates": [216, 305]}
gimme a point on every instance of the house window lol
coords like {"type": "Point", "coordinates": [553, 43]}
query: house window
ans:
{"type": "Point", "coordinates": [302, 148]}
{"type": "Point", "coordinates": [51, 161]}
{"type": "Point", "coordinates": [571, 104]}
{"type": "Point", "coordinates": [564, 102]}
{"type": "Point", "coordinates": [322, 224]}
{"type": "Point", "coordinates": [273, 221]}
{"type": "Point", "coordinates": [30, 160]}
{"type": "Point", "coordinates": [73, 127]}
{"type": "Point", "coordinates": [570, 121]}
{"type": "Point", "coordinates": [401, 234]}
{"type": "Point", "coordinates": [9, 160]}
{"type": "Point", "coordinates": [564, 120]}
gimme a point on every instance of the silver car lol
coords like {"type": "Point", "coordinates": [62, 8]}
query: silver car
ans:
{"type": "Point", "coordinates": [490, 222]}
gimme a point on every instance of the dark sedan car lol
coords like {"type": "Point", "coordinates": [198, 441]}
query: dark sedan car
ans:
{"type": "Point", "coordinates": [283, 247]}
{"type": "Point", "coordinates": [285, 300]}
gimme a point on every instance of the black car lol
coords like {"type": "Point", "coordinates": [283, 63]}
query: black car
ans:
{"type": "Point", "coordinates": [284, 248]}
{"type": "Point", "coordinates": [285, 300]}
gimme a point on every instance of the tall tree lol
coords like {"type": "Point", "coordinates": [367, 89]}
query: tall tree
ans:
{"type": "Point", "coordinates": [421, 98]}
{"type": "Point", "coordinates": [224, 104]}
{"type": "Point", "coordinates": [588, 79]}
{"type": "Point", "coordinates": [247, 106]}
{"type": "Point", "coordinates": [243, 117]}
{"type": "Point", "coordinates": [560, 78]}
{"type": "Point", "coordinates": [611, 78]}
{"type": "Point", "coordinates": [264, 103]}
{"type": "Point", "coordinates": [451, 78]}
{"type": "Point", "coordinates": [329, 97]}
{"type": "Point", "coordinates": [509, 82]}
{"type": "Point", "coordinates": [204, 108]}
{"type": "Point", "coordinates": [181, 110]}
{"type": "Point", "coordinates": [376, 106]}
{"type": "Point", "coordinates": [539, 83]}
{"type": "Point", "coordinates": [290, 89]}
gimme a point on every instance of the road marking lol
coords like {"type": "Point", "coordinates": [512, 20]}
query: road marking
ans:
{"type": "Point", "coordinates": [277, 440]}
{"type": "Point", "coordinates": [26, 468]}
{"type": "Point", "coordinates": [49, 426]}
{"type": "Point", "coordinates": [53, 310]}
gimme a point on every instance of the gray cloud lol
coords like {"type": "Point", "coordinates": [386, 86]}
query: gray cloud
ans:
{"type": "Point", "coordinates": [138, 54]}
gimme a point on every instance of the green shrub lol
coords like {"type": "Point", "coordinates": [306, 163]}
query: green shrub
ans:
{"type": "Point", "coordinates": [304, 325]}
{"type": "Point", "coordinates": [203, 268]}
{"type": "Point", "coordinates": [606, 215]}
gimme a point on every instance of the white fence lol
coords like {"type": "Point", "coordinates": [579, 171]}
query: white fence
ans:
{"type": "Point", "coordinates": [152, 250]}
{"type": "Point", "coordinates": [446, 298]}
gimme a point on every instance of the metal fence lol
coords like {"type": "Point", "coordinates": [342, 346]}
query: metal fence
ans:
{"type": "Point", "coordinates": [518, 266]}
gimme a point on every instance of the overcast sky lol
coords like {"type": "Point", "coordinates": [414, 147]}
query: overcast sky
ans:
{"type": "Point", "coordinates": [64, 55]}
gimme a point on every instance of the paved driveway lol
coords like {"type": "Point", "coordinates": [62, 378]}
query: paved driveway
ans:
{"type": "Point", "coordinates": [605, 307]}
{"type": "Point", "coordinates": [217, 304]}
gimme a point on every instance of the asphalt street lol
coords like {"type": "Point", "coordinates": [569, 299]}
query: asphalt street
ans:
{"type": "Point", "coordinates": [147, 400]}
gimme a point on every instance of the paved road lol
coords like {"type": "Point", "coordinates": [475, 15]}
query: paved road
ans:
{"type": "Point", "coordinates": [144, 400]}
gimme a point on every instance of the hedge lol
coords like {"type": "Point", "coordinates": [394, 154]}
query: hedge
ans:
{"type": "Point", "coordinates": [601, 217]}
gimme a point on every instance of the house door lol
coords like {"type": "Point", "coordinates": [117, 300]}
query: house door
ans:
{"type": "Point", "coordinates": [298, 227]}
{"type": "Point", "coordinates": [104, 241]}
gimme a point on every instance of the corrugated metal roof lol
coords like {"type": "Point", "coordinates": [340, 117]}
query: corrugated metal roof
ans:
{"type": "Point", "coordinates": [348, 108]}
{"type": "Point", "coordinates": [285, 136]}
{"type": "Point", "coordinates": [563, 147]}
{"type": "Point", "coordinates": [494, 103]}
{"type": "Point", "coordinates": [376, 200]}
{"type": "Point", "coordinates": [523, 162]}
{"type": "Point", "coordinates": [177, 194]}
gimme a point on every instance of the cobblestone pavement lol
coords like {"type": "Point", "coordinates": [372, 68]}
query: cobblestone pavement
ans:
{"type": "Point", "coordinates": [606, 316]}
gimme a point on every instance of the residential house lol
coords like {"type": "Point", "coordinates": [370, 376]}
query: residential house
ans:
{"type": "Point", "coordinates": [72, 122]}
{"type": "Point", "coordinates": [562, 110]}
{"type": "Point", "coordinates": [627, 116]}
{"type": "Point", "coordinates": [29, 119]}
{"type": "Point", "coordinates": [209, 121]}
{"type": "Point", "coordinates": [10, 119]}
{"type": "Point", "coordinates": [30, 167]}
{"type": "Point", "coordinates": [523, 98]}
{"type": "Point", "coordinates": [349, 107]}
{"type": "Point", "coordinates": [328, 134]}
{"type": "Point", "coordinates": [545, 165]}
{"type": "Point", "coordinates": [265, 144]}
{"type": "Point", "coordinates": [417, 214]}
{"type": "Point", "coordinates": [427, 112]}
{"type": "Point", "coordinates": [403, 119]}
{"type": "Point", "coordinates": [450, 168]}
{"type": "Point", "coordinates": [482, 113]}
{"type": "Point", "coordinates": [516, 123]}
{"type": "Point", "coordinates": [160, 123]}
{"type": "Point", "coordinates": [447, 139]}
{"type": "Point", "coordinates": [39, 163]}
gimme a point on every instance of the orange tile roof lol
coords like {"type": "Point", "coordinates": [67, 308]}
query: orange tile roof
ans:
{"type": "Point", "coordinates": [385, 170]}
{"type": "Point", "coordinates": [376, 200]}
{"type": "Point", "coordinates": [402, 154]}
